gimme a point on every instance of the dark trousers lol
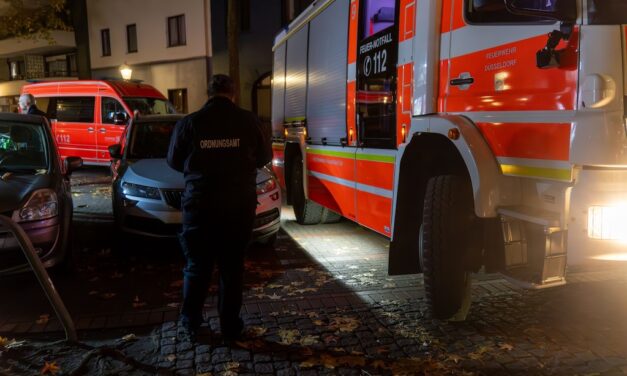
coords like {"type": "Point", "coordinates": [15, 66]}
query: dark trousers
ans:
{"type": "Point", "coordinates": [221, 241]}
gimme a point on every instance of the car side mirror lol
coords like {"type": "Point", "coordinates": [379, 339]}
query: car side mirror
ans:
{"type": "Point", "coordinates": [72, 164]}
{"type": "Point", "coordinates": [115, 151]}
{"type": "Point", "coordinates": [559, 10]}
{"type": "Point", "coordinates": [120, 118]}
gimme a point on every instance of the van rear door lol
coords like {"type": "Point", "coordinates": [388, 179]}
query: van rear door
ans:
{"type": "Point", "coordinates": [74, 127]}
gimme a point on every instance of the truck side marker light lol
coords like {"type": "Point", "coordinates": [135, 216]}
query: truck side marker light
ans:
{"type": "Point", "coordinates": [404, 132]}
{"type": "Point", "coordinates": [453, 133]}
{"type": "Point", "coordinates": [285, 132]}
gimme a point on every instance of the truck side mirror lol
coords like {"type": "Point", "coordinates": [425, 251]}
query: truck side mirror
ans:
{"type": "Point", "coordinates": [115, 151]}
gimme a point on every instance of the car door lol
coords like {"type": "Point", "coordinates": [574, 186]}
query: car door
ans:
{"type": "Point", "coordinates": [111, 124]}
{"type": "Point", "coordinates": [74, 127]}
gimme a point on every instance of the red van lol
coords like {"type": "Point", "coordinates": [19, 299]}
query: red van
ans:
{"type": "Point", "coordinates": [88, 116]}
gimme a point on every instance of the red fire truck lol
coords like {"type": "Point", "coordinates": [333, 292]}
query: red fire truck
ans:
{"type": "Point", "coordinates": [473, 133]}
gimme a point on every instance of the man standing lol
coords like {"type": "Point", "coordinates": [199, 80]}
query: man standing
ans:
{"type": "Point", "coordinates": [27, 105]}
{"type": "Point", "coordinates": [219, 149]}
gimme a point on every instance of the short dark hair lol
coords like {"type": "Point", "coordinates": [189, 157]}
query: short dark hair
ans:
{"type": "Point", "coordinates": [221, 84]}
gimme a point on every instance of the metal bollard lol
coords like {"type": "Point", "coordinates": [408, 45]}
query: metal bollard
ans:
{"type": "Point", "coordinates": [43, 277]}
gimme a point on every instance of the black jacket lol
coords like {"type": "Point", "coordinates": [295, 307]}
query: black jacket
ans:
{"type": "Point", "coordinates": [219, 149]}
{"type": "Point", "coordinates": [33, 110]}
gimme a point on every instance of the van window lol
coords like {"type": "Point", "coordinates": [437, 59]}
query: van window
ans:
{"type": "Point", "coordinates": [109, 108]}
{"type": "Point", "coordinates": [149, 106]}
{"type": "Point", "coordinates": [607, 12]}
{"type": "Point", "coordinates": [75, 109]}
{"type": "Point", "coordinates": [377, 15]}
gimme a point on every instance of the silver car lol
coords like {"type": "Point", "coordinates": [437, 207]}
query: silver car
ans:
{"type": "Point", "coordinates": [147, 192]}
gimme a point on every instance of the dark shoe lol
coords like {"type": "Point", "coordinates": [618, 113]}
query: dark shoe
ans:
{"type": "Point", "coordinates": [185, 332]}
{"type": "Point", "coordinates": [231, 335]}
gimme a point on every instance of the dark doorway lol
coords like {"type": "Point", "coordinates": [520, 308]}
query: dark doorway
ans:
{"type": "Point", "coordinates": [178, 98]}
{"type": "Point", "coordinates": [262, 98]}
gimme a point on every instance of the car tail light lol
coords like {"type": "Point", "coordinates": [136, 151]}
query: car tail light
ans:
{"type": "Point", "coordinates": [266, 186]}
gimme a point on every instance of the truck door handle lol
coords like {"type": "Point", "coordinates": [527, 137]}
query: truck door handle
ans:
{"type": "Point", "coordinates": [463, 81]}
{"type": "Point", "coordinates": [103, 130]}
{"type": "Point", "coordinates": [90, 130]}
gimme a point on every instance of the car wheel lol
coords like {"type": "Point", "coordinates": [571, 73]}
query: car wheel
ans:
{"type": "Point", "coordinates": [445, 232]}
{"type": "Point", "coordinates": [307, 212]}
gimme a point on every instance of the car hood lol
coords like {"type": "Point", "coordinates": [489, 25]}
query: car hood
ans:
{"type": "Point", "coordinates": [157, 173]}
{"type": "Point", "coordinates": [16, 189]}
{"type": "Point", "coordinates": [154, 173]}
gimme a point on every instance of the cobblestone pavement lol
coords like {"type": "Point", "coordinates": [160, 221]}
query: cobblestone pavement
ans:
{"type": "Point", "coordinates": [320, 302]}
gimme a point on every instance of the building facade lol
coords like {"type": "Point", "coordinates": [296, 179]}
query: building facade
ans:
{"type": "Point", "coordinates": [23, 60]}
{"type": "Point", "coordinates": [167, 44]}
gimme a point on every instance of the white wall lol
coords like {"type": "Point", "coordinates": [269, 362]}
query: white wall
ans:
{"type": "Point", "coordinates": [187, 74]}
{"type": "Point", "coordinates": [152, 32]}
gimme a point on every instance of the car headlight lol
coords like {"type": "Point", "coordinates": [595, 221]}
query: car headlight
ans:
{"type": "Point", "coordinates": [266, 186]}
{"type": "Point", "coordinates": [137, 190]}
{"type": "Point", "coordinates": [42, 204]}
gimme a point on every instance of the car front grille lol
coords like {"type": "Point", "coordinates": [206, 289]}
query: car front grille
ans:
{"type": "Point", "coordinates": [264, 218]}
{"type": "Point", "coordinates": [173, 197]}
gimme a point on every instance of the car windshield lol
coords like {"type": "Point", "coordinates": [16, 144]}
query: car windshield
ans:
{"type": "Point", "coordinates": [23, 147]}
{"type": "Point", "coordinates": [150, 139]}
{"type": "Point", "coordinates": [607, 12]}
{"type": "Point", "coordinates": [150, 106]}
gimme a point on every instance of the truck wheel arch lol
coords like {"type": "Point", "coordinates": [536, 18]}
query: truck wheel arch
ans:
{"type": "Point", "coordinates": [429, 153]}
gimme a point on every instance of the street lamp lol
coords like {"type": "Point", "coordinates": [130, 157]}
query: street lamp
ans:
{"type": "Point", "coordinates": [126, 71]}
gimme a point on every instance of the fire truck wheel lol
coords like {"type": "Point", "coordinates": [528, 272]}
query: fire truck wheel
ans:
{"type": "Point", "coordinates": [307, 212]}
{"type": "Point", "coordinates": [447, 218]}
{"type": "Point", "coordinates": [329, 216]}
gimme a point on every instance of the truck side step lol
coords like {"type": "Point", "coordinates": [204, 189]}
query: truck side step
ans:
{"type": "Point", "coordinates": [535, 246]}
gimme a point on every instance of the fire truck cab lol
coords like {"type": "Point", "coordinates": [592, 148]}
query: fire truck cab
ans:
{"type": "Point", "coordinates": [475, 134]}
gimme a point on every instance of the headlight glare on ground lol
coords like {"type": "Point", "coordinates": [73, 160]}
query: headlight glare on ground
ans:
{"type": "Point", "coordinates": [42, 204]}
{"type": "Point", "coordinates": [266, 186]}
{"type": "Point", "coordinates": [607, 222]}
{"type": "Point", "coordinates": [137, 190]}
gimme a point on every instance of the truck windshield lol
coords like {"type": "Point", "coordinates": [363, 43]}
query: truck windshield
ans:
{"type": "Point", "coordinates": [150, 106]}
{"type": "Point", "coordinates": [23, 147]}
{"type": "Point", "coordinates": [150, 140]}
{"type": "Point", "coordinates": [607, 12]}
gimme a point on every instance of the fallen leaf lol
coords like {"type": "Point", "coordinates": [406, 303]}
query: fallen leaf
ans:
{"type": "Point", "coordinates": [274, 296]}
{"type": "Point", "coordinates": [506, 347]}
{"type": "Point", "coordinates": [137, 303]}
{"type": "Point", "coordinates": [173, 305]}
{"type": "Point", "coordinates": [274, 314]}
{"type": "Point", "coordinates": [92, 292]}
{"type": "Point", "coordinates": [379, 364]}
{"type": "Point", "coordinates": [308, 340]}
{"type": "Point", "coordinates": [344, 324]}
{"type": "Point", "coordinates": [94, 279]}
{"type": "Point", "coordinates": [257, 331]}
{"type": "Point", "coordinates": [107, 295]}
{"type": "Point", "coordinates": [178, 283]}
{"type": "Point", "coordinates": [50, 368]}
{"type": "Point", "coordinates": [43, 319]}
{"type": "Point", "coordinates": [454, 358]}
{"type": "Point", "coordinates": [389, 285]}
{"type": "Point", "coordinates": [116, 275]}
{"type": "Point", "coordinates": [129, 337]}
{"type": "Point", "coordinates": [288, 337]}
{"type": "Point", "coordinates": [170, 358]}
{"type": "Point", "coordinates": [4, 342]}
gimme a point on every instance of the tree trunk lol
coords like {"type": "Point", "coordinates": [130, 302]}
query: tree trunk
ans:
{"type": "Point", "coordinates": [233, 44]}
{"type": "Point", "coordinates": [78, 14]}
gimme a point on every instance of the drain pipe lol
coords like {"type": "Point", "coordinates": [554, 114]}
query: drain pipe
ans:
{"type": "Point", "coordinates": [42, 277]}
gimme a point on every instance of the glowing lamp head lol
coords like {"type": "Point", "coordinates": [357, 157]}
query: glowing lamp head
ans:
{"type": "Point", "coordinates": [126, 72]}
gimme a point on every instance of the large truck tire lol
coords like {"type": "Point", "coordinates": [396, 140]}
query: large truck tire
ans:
{"type": "Point", "coordinates": [445, 239]}
{"type": "Point", "coordinates": [329, 216]}
{"type": "Point", "coordinates": [307, 212]}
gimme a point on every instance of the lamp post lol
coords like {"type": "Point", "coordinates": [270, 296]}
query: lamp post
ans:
{"type": "Point", "coordinates": [126, 72]}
